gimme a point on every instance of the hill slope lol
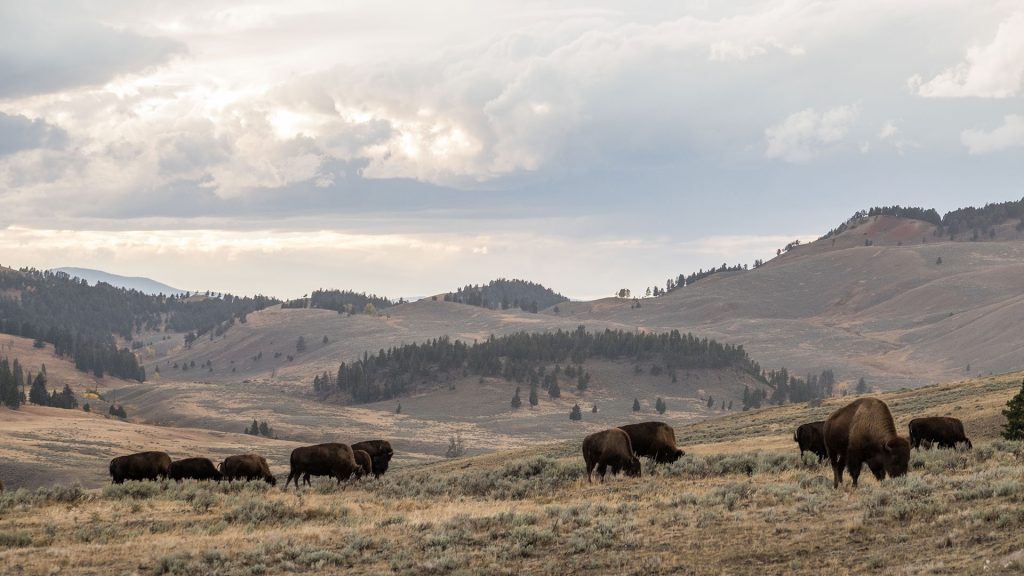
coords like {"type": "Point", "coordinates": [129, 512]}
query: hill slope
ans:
{"type": "Point", "coordinates": [144, 285]}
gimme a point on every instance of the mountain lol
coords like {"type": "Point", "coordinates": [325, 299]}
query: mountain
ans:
{"type": "Point", "coordinates": [144, 285]}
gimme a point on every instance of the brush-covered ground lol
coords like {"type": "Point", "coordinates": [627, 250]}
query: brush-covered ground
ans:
{"type": "Point", "coordinates": [740, 502]}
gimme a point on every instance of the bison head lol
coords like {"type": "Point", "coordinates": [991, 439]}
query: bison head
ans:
{"type": "Point", "coordinates": [897, 457]}
{"type": "Point", "coordinates": [633, 468]}
{"type": "Point", "coordinates": [271, 480]}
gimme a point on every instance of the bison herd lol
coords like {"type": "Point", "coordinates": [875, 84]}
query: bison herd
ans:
{"type": "Point", "coordinates": [862, 432]}
{"type": "Point", "coordinates": [339, 461]}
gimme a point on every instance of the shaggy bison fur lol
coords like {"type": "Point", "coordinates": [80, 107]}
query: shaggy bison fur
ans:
{"type": "Point", "coordinates": [194, 469]}
{"type": "Point", "coordinates": [610, 448]}
{"type": "Point", "coordinates": [863, 432]}
{"type": "Point", "coordinates": [654, 440]}
{"type": "Point", "coordinates": [140, 466]}
{"type": "Point", "coordinates": [380, 454]}
{"type": "Point", "coordinates": [942, 430]}
{"type": "Point", "coordinates": [247, 467]}
{"type": "Point", "coordinates": [331, 459]}
{"type": "Point", "coordinates": [811, 438]}
{"type": "Point", "coordinates": [364, 465]}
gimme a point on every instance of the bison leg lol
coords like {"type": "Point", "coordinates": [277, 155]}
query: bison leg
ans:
{"type": "Point", "coordinates": [590, 472]}
{"type": "Point", "coordinates": [853, 464]}
{"type": "Point", "coordinates": [837, 471]}
{"type": "Point", "coordinates": [291, 475]}
{"type": "Point", "coordinates": [877, 470]}
{"type": "Point", "coordinates": [601, 469]}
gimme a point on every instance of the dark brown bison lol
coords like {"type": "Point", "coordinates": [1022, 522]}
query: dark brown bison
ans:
{"type": "Point", "coordinates": [610, 448]}
{"type": "Point", "coordinates": [863, 432]}
{"type": "Point", "coordinates": [331, 459]}
{"type": "Point", "coordinates": [247, 467]}
{"type": "Point", "coordinates": [364, 465]}
{"type": "Point", "coordinates": [140, 466]}
{"type": "Point", "coordinates": [194, 469]}
{"type": "Point", "coordinates": [380, 453]}
{"type": "Point", "coordinates": [654, 440]}
{"type": "Point", "coordinates": [942, 430]}
{"type": "Point", "coordinates": [811, 438]}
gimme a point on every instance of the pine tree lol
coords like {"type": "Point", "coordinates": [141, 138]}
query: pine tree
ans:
{"type": "Point", "coordinates": [253, 430]}
{"type": "Point", "coordinates": [265, 429]}
{"type": "Point", "coordinates": [300, 345]}
{"type": "Point", "coordinates": [553, 390]}
{"type": "Point", "coordinates": [862, 386]}
{"type": "Point", "coordinates": [1014, 412]}
{"type": "Point", "coordinates": [593, 409]}
{"type": "Point", "coordinates": [533, 395]}
{"type": "Point", "coordinates": [86, 407]}
{"type": "Point", "coordinates": [660, 406]}
{"type": "Point", "coordinates": [711, 402]}
{"type": "Point", "coordinates": [37, 393]}
{"type": "Point", "coordinates": [576, 413]}
{"type": "Point", "coordinates": [398, 409]}
{"type": "Point", "coordinates": [636, 404]}
{"type": "Point", "coordinates": [516, 401]}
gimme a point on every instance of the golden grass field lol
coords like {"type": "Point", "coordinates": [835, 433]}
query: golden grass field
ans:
{"type": "Point", "coordinates": [740, 502]}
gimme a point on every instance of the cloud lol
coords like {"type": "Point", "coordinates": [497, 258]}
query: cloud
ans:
{"type": "Point", "coordinates": [1009, 135]}
{"type": "Point", "coordinates": [807, 134]}
{"type": "Point", "coordinates": [20, 133]}
{"type": "Point", "coordinates": [992, 71]}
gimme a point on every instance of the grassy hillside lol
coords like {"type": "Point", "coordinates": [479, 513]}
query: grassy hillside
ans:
{"type": "Point", "coordinates": [740, 502]}
{"type": "Point", "coordinates": [887, 312]}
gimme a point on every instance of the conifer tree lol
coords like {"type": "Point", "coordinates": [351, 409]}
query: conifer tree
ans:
{"type": "Point", "coordinates": [636, 404]}
{"type": "Point", "coordinates": [660, 406]}
{"type": "Point", "coordinates": [576, 413]}
{"type": "Point", "coordinates": [1014, 412]}
{"type": "Point", "coordinates": [533, 395]}
{"type": "Point", "coordinates": [553, 390]}
{"type": "Point", "coordinates": [37, 392]}
{"type": "Point", "coordinates": [516, 401]}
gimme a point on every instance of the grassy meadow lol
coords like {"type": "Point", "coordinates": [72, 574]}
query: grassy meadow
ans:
{"type": "Point", "coordinates": [740, 502]}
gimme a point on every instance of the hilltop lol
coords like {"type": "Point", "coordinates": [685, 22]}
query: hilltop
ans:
{"type": "Point", "coordinates": [139, 283]}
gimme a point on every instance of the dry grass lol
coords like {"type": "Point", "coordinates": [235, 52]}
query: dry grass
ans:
{"type": "Point", "coordinates": [737, 504]}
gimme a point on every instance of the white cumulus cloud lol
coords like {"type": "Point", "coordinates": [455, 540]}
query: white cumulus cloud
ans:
{"type": "Point", "coordinates": [992, 71]}
{"type": "Point", "coordinates": [803, 136]}
{"type": "Point", "coordinates": [1009, 135]}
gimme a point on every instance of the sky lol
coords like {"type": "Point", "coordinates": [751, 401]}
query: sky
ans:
{"type": "Point", "coordinates": [408, 148]}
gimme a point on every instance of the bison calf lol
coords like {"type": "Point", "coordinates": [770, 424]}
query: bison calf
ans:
{"type": "Point", "coordinates": [380, 454]}
{"type": "Point", "coordinates": [140, 466]}
{"type": "Point", "coordinates": [942, 430]}
{"type": "Point", "coordinates": [654, 440]}
{"type": "Point", "coordinates": [863, 432]}
{"type": "Point", "coordinates": [610, 448]}
{"type": "Point", "coordinates": [194, 469]}
{"type": "Point", "coordinates": [247, 467]}
{"type": "Point", "coordinates": [811, 438]}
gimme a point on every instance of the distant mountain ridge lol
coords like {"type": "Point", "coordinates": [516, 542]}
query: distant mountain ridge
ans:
{"type": "Point", "coordinates": [142, 284]}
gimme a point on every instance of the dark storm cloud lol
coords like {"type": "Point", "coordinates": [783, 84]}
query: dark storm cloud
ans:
{"type": "Point", "coordinates": [52, 46]}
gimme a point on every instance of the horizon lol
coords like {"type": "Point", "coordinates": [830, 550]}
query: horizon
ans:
{"type": "Point", "coordinates": [410, 149]}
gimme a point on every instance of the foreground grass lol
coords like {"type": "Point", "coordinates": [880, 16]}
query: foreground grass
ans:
{"type": "Point", "coordinates": [754, 512]}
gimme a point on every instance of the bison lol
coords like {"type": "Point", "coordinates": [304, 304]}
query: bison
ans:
{"type": "Point", "coordinates": [140, 466]}
{"type": "Point", "coordinates": [654, 440]}
{"type": "Point", "coordinates": [331, 459]}
{"type": "Point", "coordinates": [863, 432]}
{"type": "Point", "coordinates": [610, 448]}
{"type": "Point", "coordinates": [195, 469]}
{"type": "Point", "coordinates": [247, 467]}
{"type": "Point", "coordinates": [380, 454]}
{"type": "Point", "coordinates": [811, 438]}
{"type": "Point", "coordinates": [364, 465]}
{"type": "Point", "coordinates": [942, 430]}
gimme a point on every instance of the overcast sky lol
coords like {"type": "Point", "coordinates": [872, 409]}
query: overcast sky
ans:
{"type": "Point", "coordinates": [407, 148]}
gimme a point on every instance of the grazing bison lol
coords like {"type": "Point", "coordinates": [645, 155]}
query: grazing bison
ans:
{"type": "Point", "coordinates": [811, 438]}
{"type": "Point", "coordinates": [654, 440]}
{"type": "Point", "coordinates": [140, 466]}
{"type": "Point", "coordinates": [247, 467]}
{"type": "Point", "coordinates": [942, 430]}
{"type": "Point", "coordinates": [331, 459]}
{"type": "Point", "coordinates": [610, 448]}
{"type": "Point", "coordinates": [195, 469]}
{"type": "Point", "coordinates": [364, 465]}
{"type": "Point", "coordinates": [380, 453]}
{"type": "Point", "coordinates": [863, 432]}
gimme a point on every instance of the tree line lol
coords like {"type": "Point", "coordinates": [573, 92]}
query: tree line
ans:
{"type": "Point", "coordinates": [684, 280]}
{"type": "Point", "coordinates": [81, 321]}
{"type": "Point", "coordinates": [505, 294]}
{"type": "Point", "coordinates": [978, 222]}
{"type": "Point", "coordinates": [343, 301]}
{"type": "Point", "coordinates": [522, 357]}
